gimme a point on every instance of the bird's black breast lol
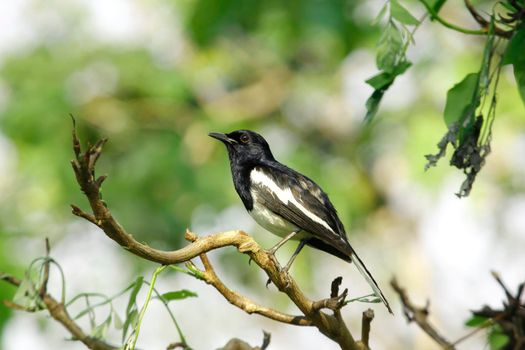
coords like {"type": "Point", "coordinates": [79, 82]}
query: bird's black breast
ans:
{"type": "Point", "coordinates": [241, 181]}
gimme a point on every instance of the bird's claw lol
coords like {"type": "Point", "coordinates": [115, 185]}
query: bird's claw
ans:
{"type": "Point", "coordinates": [286, 276]}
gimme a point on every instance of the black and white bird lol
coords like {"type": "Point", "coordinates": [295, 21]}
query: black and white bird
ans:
{"type": "Point", "coordinates": [286, 202]}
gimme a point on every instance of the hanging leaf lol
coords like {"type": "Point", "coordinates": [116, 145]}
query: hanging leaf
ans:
{"type": "Point", "coordinates": [401, 14]}
{"type": "Point", "coordinates": [514, 54]}
{"type": "Point", "coordinates": [178, 295]}
{"type": "Point", "coordinates": [515, 47]}
{"type": "Point", "coordinates": [26, 295]}
{"type": "Point", "coordinates": [133, 295]}
{"type": "Point", "coordinates": [460, 99]}
{"type": "Point", "coordinates": [117, 321]}
{"type": "Point", "coordinates": [381, 15]}
{"type": "Point", "coordinates": [435, 5]}
{"type": "Point", "coordinates": [131, 310]}
{"type": "Point", "coordinates": [519, 74]}
{"type": "Point", "coordinates": [131, 320]}
{"type": "Point", "coordinates": [100, 331]}
{"type": "Point", "coordinates": [476, 321]}
{"type": "Point", "coordinates": [498, 340]}
{"type": "Point", "coordinates": [381, 82]}
{"type": "Point", "coordinates": [390, 48]}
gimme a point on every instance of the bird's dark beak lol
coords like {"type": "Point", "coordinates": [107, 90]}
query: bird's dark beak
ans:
{"type": "Point", "coordinates": [221, 137]}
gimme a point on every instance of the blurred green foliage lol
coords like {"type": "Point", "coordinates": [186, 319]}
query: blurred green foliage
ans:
{"type": "Point", "coordinates": [276, 67]}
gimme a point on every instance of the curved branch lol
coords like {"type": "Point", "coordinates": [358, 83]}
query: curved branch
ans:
{"type": "Point", "coordinates": [332, 326]}
{"type": "Point", "coordinates": [244, 303]}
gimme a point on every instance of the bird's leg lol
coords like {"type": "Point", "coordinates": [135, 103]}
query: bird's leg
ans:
{"type": "Point", "coordinates": [283, 241]}
{"type": "Point", "coordinates": [301, 245]}
{"type": "Point", "coordinates": [272, 251]}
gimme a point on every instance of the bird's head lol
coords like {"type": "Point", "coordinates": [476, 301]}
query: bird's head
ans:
{"type": "Point", "coordinates": [244, 146]}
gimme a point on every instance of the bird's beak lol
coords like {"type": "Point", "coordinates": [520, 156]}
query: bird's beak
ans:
{"type": "Point", "coordinates": [221, 137]}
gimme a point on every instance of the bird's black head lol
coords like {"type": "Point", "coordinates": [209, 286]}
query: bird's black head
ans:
{"type": "Point", "coordinates": [245, 146]}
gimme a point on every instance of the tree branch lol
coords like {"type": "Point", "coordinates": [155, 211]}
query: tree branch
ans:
{"type": "Point", "coordinates": [59, 313]}
{"type": "Point", "coordinates": [332, 326]}
{"type": "Point", "coordinates": [243, 302]}
{"type": "Point", "coordinates": [419, 315]}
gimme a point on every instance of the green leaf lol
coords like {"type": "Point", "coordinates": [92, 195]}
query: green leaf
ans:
{"type": "Point", "coordinates": [435, 5]}
{"type": "Point", "coordinates": [519, 75]}
{"type": "Point", "coordinates": [514, 54]}
{"type": "Point", "coordinates": [178, 295]}
{"type": "Point", "coordinates": [381, 14]}
{"type": "Point", "coordinates": [372, 105]}
{"type": "Point", "coordinates": [133, 295]}
{"type": "Point", "coordinates": [516, 47]}
{"type": "Point", "coordinates": [401, 14]}
{"type": "Point", "coordinates": [461, 99]}
{"type": "Point", "coordinates": [488, 53]}
{"type": "Point", "coordinates": [476, 321]}
{"type": "Point", "coordinates": [131, 320]}
{"type": "Point", "coordinates": [131, 310]}
{"type": "Point", "coordinates": [117, 321]}
{"type": "Point", "coordinates": [390, 48]}
{"type": "Point", "coordinates": [100, 331]}
{"type": "Point", "coordinates": [26, 295]}
{"type": "Point", "coordinates": [498, 340]}
{"type": "Point", "coordinates": [383, 80]}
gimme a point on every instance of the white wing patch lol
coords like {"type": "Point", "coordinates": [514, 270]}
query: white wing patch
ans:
{"type": "Point", "coordinates": [285, 196]}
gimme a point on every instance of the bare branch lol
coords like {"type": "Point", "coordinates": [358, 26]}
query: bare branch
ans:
{"type": "Point", "coordinates": [419, 315]}
{"type": "Point", "coordinates": [243, 302]}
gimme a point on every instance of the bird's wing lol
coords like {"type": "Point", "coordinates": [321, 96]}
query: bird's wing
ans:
{"type": "Point", "coordinates": [299, 200]}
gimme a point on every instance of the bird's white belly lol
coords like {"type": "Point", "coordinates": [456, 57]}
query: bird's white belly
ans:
{"type": "Point", "coordinates": [274, 223]}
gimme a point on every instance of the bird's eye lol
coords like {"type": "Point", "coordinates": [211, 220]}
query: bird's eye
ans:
{"type": "Point", "coordinates": [245, 138]}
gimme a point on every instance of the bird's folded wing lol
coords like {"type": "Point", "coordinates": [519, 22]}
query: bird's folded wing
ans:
{"type": "Point", "coordinates": [300, 201]}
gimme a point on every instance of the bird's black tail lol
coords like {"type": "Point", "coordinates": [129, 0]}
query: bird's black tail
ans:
{"type": "Point", "coordinates": [346, 252]}
{"type": "Point", "coordinates": [369, 278]}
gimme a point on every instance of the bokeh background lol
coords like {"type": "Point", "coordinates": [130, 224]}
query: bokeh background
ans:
{"type": "Point", "coordinates": [155, 76]}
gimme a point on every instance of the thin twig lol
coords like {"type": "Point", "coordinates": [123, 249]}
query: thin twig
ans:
{"type": "Point", "coordinates": [419, 315]}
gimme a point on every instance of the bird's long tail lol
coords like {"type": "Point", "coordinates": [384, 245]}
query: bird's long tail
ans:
{"type": "Point", "coordinates": [368, 277]}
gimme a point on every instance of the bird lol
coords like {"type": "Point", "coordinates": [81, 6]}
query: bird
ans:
{"type": "Point", "coordinates": [287, 203]}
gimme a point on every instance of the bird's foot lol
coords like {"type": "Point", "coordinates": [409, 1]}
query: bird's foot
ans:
{"type": "Point", "coordinates": [285, 275]}
{"type": "Point", "coordinates": [282, 271]}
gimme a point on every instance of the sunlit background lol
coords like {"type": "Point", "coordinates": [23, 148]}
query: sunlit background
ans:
{"type": "Point", "coordinates": [155, 76]}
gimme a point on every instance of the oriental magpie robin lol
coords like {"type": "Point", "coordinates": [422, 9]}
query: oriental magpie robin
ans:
{"type": "Point", "coordinates": [286, 202]}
